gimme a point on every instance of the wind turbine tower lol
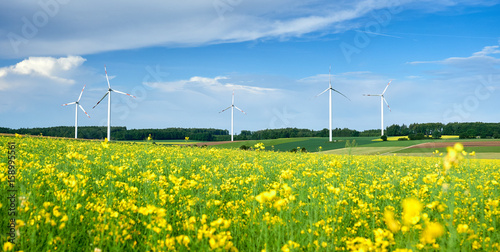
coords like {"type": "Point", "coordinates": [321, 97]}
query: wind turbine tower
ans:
{"type": "Point", "coordinates": [382, 100]}
{"type": "Point", "coordinates": [232, 107]}
{"type": "Point", "coordinates": [77, 104]}
{"type": "Point", "coordinates": [108, 93]}
{"type": "Point", "coordinates": [330, 89]}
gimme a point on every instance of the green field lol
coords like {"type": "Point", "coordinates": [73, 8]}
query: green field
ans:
{"type": "Point", "coordinates": [481, 149]}
{"type": "Point", "coordinates": [311, 144]}
{"type": "Point", "coordinates": [167, 142]}
{"type": "Point", "coordinates": [344, 145]}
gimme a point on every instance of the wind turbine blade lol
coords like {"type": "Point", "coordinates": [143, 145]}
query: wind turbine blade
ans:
{"type": "Point", "coordinates": [106, 71]}
{"type": "Point", "coordinates": [387, 103]}
{"type": "Point", "coordinates": [386, 87]}
{"type": "Point", "coordinates": [232, 101]}
{"type": "Point", "coordinates": [120, 92]}
{"type": "Point", "coordinates": [322, 92]}
{"type": "Point", "coordinates": [68, 104]}
{"type": "Point", "coordinates": [226, 109]}
{"type": "Point", "coordinates": [240, 110]}
{"type": "Point", "coordinates": [330, 76]}
{"type": "Point", "coordinates": [341, 94]}
{"type": "Point", "coordinates": [371, 95]}
{"type": "Point", "coordinates": [79, 97]}
{"type": "Point", "coordinates": [83, 110]}
{"type": "Point", "coordinates": [101, 99]}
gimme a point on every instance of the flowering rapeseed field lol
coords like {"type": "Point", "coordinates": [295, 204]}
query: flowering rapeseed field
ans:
{"type": "Point", "coordinates": [99, 196]}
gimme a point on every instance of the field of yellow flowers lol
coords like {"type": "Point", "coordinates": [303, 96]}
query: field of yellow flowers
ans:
{"type": "Point", "coordinates": [99, 196]}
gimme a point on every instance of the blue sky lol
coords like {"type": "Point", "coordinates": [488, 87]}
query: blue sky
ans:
{"type": "Point", "coordinates": [183, 59]}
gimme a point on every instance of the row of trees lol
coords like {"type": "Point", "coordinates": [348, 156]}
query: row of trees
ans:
{"type": "Point", "coordinates": [121, 133]}
{"type": "Point", "coordinates": [294, 132]}
{"type": "Point", "coordinates": [464, 130]}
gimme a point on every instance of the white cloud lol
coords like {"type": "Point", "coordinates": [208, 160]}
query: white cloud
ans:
{"type": "Point", "coordinates": [40, 67]}
{"type": "Point", "coordinates": [201, 84]}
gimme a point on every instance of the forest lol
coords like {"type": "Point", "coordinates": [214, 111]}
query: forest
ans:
{"type": "Point", "coordinates": [435, 130]}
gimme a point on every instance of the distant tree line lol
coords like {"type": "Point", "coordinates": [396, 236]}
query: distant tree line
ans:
{"type": "Point", "coordinates": [436, 130]}
{"type": "Point", "coordinates": [413, 131]}
{"type": "Point", "coordinates": [86, 132]}
{"type": "Point", "coordinates": [293, 132]}
{"type": "Point", "coordinates": [121, 133]}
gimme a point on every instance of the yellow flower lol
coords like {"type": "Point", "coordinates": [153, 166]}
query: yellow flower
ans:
{"type": "Point", "coordinates": [476, 245]}
{"type": "Point", "coordinates": [105, 143]}
{"type": "Point", "coordinates": [266, 196]}
{"type": "Point", "coordinates": [462, 228]}
{"type": "Point", "coordinates": [46, 204]}
{"type": "Point", "coordinates": [432, 231]}
{"type": "Point", "coordinates": [56, 212]}
{"type": "Point", "coordinates": [458, 147]}
{"type": "Point", "coordinates": [454, 155]}
{"type": "Point", "coordinates": [411, 211]}
{"type": "Point", "coordinates": [279, 203]}
{"type": "Point", "coordinates": [213, 243]}
{"type": "Point", "coordinates": [391, 223]}
{"type": "Point", "coordinates": [259, 146]}
{"type": "Point", "coordinates": [8, 246]}
{"type": "Point", "coordinates": [186, 138]}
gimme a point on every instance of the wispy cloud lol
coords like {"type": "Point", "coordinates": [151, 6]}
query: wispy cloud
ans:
{"type": "Point", "coordinates": [481, 61]}
{"type": "Point", "coordinates": [167, 23]}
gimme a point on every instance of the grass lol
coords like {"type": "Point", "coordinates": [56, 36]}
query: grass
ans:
{"type": "Point", "coordinates": [362, 151]}
{"type": "Point", "coordinates": [401, 148]}
{"type": "Point", "coordinates": [364, 145]}
{"type": "Point", "coordinates": [311, 144]}
{"type": "Point", "coordinates": [168, 142]}
{"type": "Point", "coordinates": [401, 144]}
{"type": "Point", "coordinates": [268, 143]}
{"type": "Point", "coordinates": [478, 149]}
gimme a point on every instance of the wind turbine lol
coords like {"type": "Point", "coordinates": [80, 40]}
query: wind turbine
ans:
{"type": "Point", "coordinates": [77, 104]}
{"type": "Point", "coordinates": [109, 102]}
{"type": "Point", "coordinates": [382, 100]}
{"type": "Point", "coordinates": [232, 107]}
{"type": "Point", "coordinates": [330, 89]}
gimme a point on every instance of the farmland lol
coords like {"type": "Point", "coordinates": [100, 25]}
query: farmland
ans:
{"type": "Point", "coordinates": [483, 148]}
{"type": "Point", "coordinates": [99, 196]}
